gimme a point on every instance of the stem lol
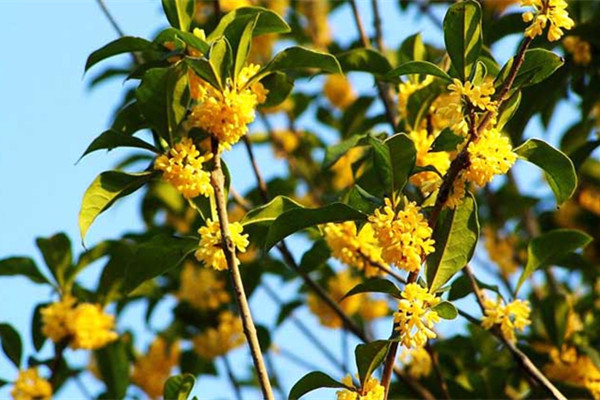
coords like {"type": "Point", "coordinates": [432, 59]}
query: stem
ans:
{"type": "Point", "coordinates": [236, 385]}
{"type": "Point", "coordinates": [117, 28]}
{"type": "Point", "coordinates": [218, 183]}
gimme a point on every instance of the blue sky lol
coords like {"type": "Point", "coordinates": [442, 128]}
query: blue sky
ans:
{"type": "Point", "coordinates": [48, 116]}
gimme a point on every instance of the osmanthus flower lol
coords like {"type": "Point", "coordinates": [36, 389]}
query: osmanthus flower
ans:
{"type": "Point", "coordinates": [579, 48]}
{"type": "Point", "coordinates": [337, 286]}
{"type": "Point", "coordinates": [372, 390]}
{"type": "Point", "coordinates": [417, 361]}
{"type": "Point", "coordinates": [570, 367]}
{"type": "Point", "coordinates": [404, 235]}
{"type": "Point", "coordinates": [428, 181]}
{"type": "Point", "coordinates": [356, 249]}
{"type": "Point", "coordinates": [406, 89]}
{"type": "Point", "coordinates": [219, 340]}
{"type": "Point", "coordinates": [589, 198]}
{"type": "Point", "coordinates": [151, 370]}
{"type": "Point", "coordinates": [338, 91]}
{"type": "Point", "coordinates": [552, 12]}
{"type": "Point", "coordinates": [285, 142]}
{"type": "Point", "coordinates": [415, 317]}
{"type": "Point", "coordinates": [31, 386]}
{"type": "Point", "coordinates": [225, 114]}
{"type": "Point", "coordinates": [372, 309]}
{"type": "Point", "coordinates": [480, 96]}
{"type": "Point", "coordinates": [210, 249]}
{"type": "Point", "coordinates": [501, 250]}
{"type": "Point", "coordinates": [83, 325]}
{"type": "Point", "coordinates": [342, 169]}
{"type": "Point", "coordinates": [182, 168]}
{"type": "Point", "coordinates": [202, 288]}
{"type": "Point", "coordinates": [509, 317]}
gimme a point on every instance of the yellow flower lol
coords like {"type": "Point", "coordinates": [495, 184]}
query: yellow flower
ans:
{"type": "Point", "coordinates": [590, 200]}
{"type": "Point", "coordinates": [151, 370]}
{"type": "Point", "coordinates": [337, 286]}
{"type": "Point", "coordinates": [202, 288]}
{"type": "Point", "coordinates": [338, 91]}
{"type": "Point", "coordinates": [218, 341]}
{"type": "Point", "coordinates": [501, 250]}
{"type": "Point", "coordinates": [30, 386]}
{"type": "Point", "coordinates": [226, 114]}
{"type": "Point", "coordinates": [342, 169]}
{"type": "Point", "coordinates": [371, 309]}
{"type": "Point", "coordinates": [230, 5]}
{"type": "Point", "coordinates": [415, 318]}
{"type": "Point", "coordinates": [210, 250]}
{"type": "Point", "coordinates": [182, 168]}
{"type": "Point", "coordinates": [354, 249]}
{"type": "Point", "coordinates": [567, 366]}
{"type": "Point", "coordinates": [405, 90]}
{"type": "Point", "coordinates": [544, 12]}
{"type": "Point", "coordinates": [447, 112]}
{"type": "Point", "coordinates": [580, 49]}
{"type": "Point", "coordinates": [428, 181]}
{"type": "Point", "coordinates": [404, 236]}
{"type": "Point", "coordinates": [371, 391]}
{"type": "Point", "coordinates": [85, 325]}
{"type": "Point", "coordinates": [317, 26]}
{"type": "Point", "coordinates": [480, 96]}
{"type": "Point", "coordinates": [285, 142]}
{"type": "Point", "coordinates": [417, 361]}
{"type": "Point", "coordinates": [90, 327]}
{"type": "Point", "coordinates": [510, 317]}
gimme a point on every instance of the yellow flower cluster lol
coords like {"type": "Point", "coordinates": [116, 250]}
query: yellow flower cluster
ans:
{"type": "Point", "coordinates": [338, 91]}
{"type": "Point", "coordinates": [428, 181]}
{"type": "Point", "coordinates": [480, 96]}
{"type": "Point", "coordinates": [151, 370]}
{"type": "Point", "coordinates": [510, 317]}
{"type": "Point", "coordinates": [417, 361]}
{"type": "Point", "coordinates": [404, 236]}
{"type": "Point", "coordinates": [342, 169]}
{"type": "Point", "coordinates": [285, 142]}
{"type": "Point", "coordinates": [226, 114]}
{"type": "Point", "coordinates": [182, 168]}
{"type": "Point", "coordinates": [337, 286]}
{"type": "Point", "coordinates": [570, 367]}
{"type": "Point", "coordinates": [501, 250]}
{"type": "Point", "coordinates": [31, 386]}
{"type": "Point", "coordinates": [210, 250]}
{"type": "Point", "coordinates": [544, 12]}
{"type": "Point", "coordinates": [372, 390]}
{"type": "Point", "coordinates": [217, 341]}
{"type": "Point", "coordinates": [85, 325]}
{"type": "Point", "coordinates": [359, 250]}
{"type": "Point", "coordinates": [415, 318]}
{"type": "Point", "coordinates": [580, 49]}
{"type": "Point", "coordinates": [202, 288]}
{"type": "Point", "coordinates": [590, 200]}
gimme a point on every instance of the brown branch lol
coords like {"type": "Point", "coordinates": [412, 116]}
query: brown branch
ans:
{"type": "Point", "coordinates": [262, 185]}
{"type": "Point", "coordinates": [218, 183]}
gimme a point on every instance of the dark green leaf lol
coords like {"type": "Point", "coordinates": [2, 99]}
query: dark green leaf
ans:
{"type": "Point", "coordinates": [420, 68]}
{"type": "Point", "coordinates": [557, 167]}
{"type": "Point", "coordinates": [191, 40]}
{"type": "Point", "coordinates": [446, 310]}
{"type": "Point", "coordinates": [538, 65]}
{"type": "Point", "coordinates": [129, 119]}
{"type": "Point", "coordinates": [420, 102]}
{"type": "Point", "coordinates": [178, 99]}
{"type": "Point", "coordinates": [412, 49]}
{"type": "Point", "coordinates": [447, 140]}
{"type": "Point", "coordinates": [11, 344]}
{"type": "Point", "coordinates": [122, 45]}
{"type": "Point", "coordinates": [151, 97]}
{"type": "Point", "coordinates": [369, 357]}
{"type": "Point", "coordinates": [243, 47]}
{"type": "Point", "coordinates": [301, 58]}
{"type": "Point", "coordinates": [180, 13]}
{"type": "Point", "coordinates": [221, 60]}
{"type": "Point", "coordinates": [179, 387]}
{"type": "Point", "coordinates": [365, 60]}
{"type": "Point", "coordinates": [279, 86]}
{"type": "Point", "coordinates": [311, 381]}
{"type": "Point", "coordinates": [23, 266]}
{"type": "Point", "coordinates": [375, 285]}
{"type": "Point", "coordinates": [581, 153]}
{"type": "Point", "coordinates": [462, 35]}
{"type": "Point", "coordinates": [508, 109]}
{"type": "Point", "coordinates": [335, 152]}
{"type": "Point", "coordinates": [113, 365]}
{"type": "Point", "coordinates": [57, 254]}
{"type": "Point", "coordinates": [270, 211]}
{"type": "Point", "coordinates": [203, 69]}
{"type": "Point", "coordinates": [111, 139]}
{"type": "Point", "coordinates": [268, 22]}
{"type": "Point", "coordinates": [461, 287]}
{"type": "Point", "coordinates": [286, 310]}
{"type": "Point", "coordinates": [382, 162]}
{"type": "Point", "coordinates": [37, 337]}
{"type": "Point", "coordinates": [555, 314]}
{"type": "Point", "coordinates": [316, 256]}
{"type": "Point", "coordinates": [403, 156]}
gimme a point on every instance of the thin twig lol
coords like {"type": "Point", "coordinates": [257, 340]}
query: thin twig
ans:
{"type": "Point", "coordinates": [301, 361]}
{"type": "Point", "coordinates": [115, 25]}
{"type": "Point", "coordinates": [234, 382]}
{"type": "Point", "coordinates": [218, 183]}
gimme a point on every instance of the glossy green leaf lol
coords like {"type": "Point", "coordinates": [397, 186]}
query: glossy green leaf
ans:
{"type": "Point", "coordinates": [221, 60]}
{"type": "Point", "coordinates": [508, 109]}
{"type": "Point", "coordinates": [461, 287]}
{"type": "Point", "coordinates": [447, 140]}
{"type": "Point", "coordinates": [297, 57]}
{"type": "Point", "coordinates": [369, 357]}
{"type": "Point", "coordinates": [111, 139]}
{"type": "Point", "coordinates": [298, 219]}
{"type": "Point", "coordinates": [122, 45]}
{"type": "Point", "coordinates": [57, 255]}
{"type": "Point", "coordinates": [22, 266]}
{"type": "Point", "coordinates": [11, 344]}
{"type": "Point", "coordinates": [37, 337]}
{"type": "Point", "coordinates": [270, 211]}
{"type": "Point", "coordinates": [455, 236]}
{"type": "Point", "coordinates": [462, 35]}
{"type": "Point", "coordinates": [582, 153]}
{"type": "Point", "coordinates": [412, 49]}
{"type": "Point", "coordinates": [549, 247]}
{"type": "Point", "coordinates": [375, 285]}
{"type": "Point", "coordinates": [151, 97]}
{"type": "Point", "coordinates": [558, 168]}
{"type": "Point", "coordinates": [420, 68]}
{"type": "Point", "coordinates": [179, 387]}
{"type": "Point", "coordinates": [107, 188]}
{"type": "Point", "coordinates": [365, 60]}
{"type": "Point", "coordinates": [538, 65]}
{"type": "Point", "coordinates": [129, 119]}
{"type": "Point", "coordinates": [279, 86]}
{"type": "Point", "coordinates": [446, 310]}
{"type": "Point", "coordinates": [382, 163]}
{"type": "Point", "coordinates": [178, 99]}
{"type": "Point", "coordinates": [113, 364]}
{"type": "Point", "coordinates": [315, 257]}
{"type": "Point", "coordinates": [554, 310]}
{"type": "Point", "coordinates": [312, 381]}
{"type": "Point", "coordinates": [419, 102]}
{"type": "Point", "coordinates": [191, 40]}
{"type": "Point", "coordinates": [243, 47]}
{"type": "Point", "coordinates": [403, 157]}
{"type": "Point", "coordinates": [268, 22]}
{"type": "Point", "coordinates": [180, 13]}
{"type": "Point", "coordinates": [335, 152]}
{"type": "Point", "coordinates": [203, 69]}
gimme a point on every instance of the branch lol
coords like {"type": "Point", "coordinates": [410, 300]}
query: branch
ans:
{"type": "Point", "coordinates": [218, 183]}
{"type": "Point", "coordinates": [117, 28]}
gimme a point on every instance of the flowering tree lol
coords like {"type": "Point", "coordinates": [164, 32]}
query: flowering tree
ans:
{"type": "Point", "coordinates": [393, 209]}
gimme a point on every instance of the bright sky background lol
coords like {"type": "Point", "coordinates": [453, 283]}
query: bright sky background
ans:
{"type": "Point", "coordinates": [48, 116]}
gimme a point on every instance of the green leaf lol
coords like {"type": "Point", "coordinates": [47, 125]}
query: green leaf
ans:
{"type": "Point", "coordinates": [122, 45]}
{"type": "Point", "coordinates": [455, 238]}
{"type": "Point", "coordinates": [203, 69]}
{"type": "Point", "coordinates": [412, 49]}
{"type": "Point", "coordinates": [581, 153]}
{"type": "Point", "coordinates": [420, 68]}
{"type": "Point", "coordinates": [37, 337]}
{"type": "Point", "coordinates": [403, 157]}
{"type": "Point", "coordinates": [129, 119]}
{"type": "Point", "coordinates": [179, 387]}
{"type": "Point", "coordinates": [365, 60]}
{"type": "Point", "coordinates": [300, 58]}
{"type": "Point", "coordinates": [155, 257]}
{"type": "Point", "coordinates": [549, 247]}
{"type": "Point", "coordinates": [180, 13]}
{"type": "Point", "coordinates": [369, 357]}
{"type": "Point", "coordinates": [555, 314]}
{"type": "Point", "coordinates": [420, 101]}
{"type": "Point", "coordinates": [268, 22]}
{"type": "Point", "coordinates": [279, 86]}
{"type": "Point", "coordinates": [243, 47]}
{"type": "Point", "coordinates": [311, 381]}
{"type": "Point", "coordinates": [508, 109]}
{"type": "Point", "coordinates": [358, 198]}
{"type": "Point", "coordinates": [24, 266]}
{"type": "Point", "coordinates": [382, 162]}
{"type": "Point", "coordinates": [57, 254]}
{"type": "Point", "coordinates": [447, 140]}
{"type": "Point", "coordinates": [461, 287]}
{"type": "Point", "coordinates": [221, 60]}
{"type": "Point", "coordinates": [286, 310]}
{"type": "Point", "coordinates": [151, 97]}
{"type": "Point", "coordinates": [270, 211]}
{"type": "Point", "coordinates": [375, 285]}
{"type": "Point", "coordinates": [111, 139]}
{"type": "Point", "coordinates": [113, 364]}
{"type": "Point", "coordinates": [191, 40]}
{"type": "Point", "coordinates": [462, 35]}
{"type": "Point", "coordinates": [178, 99]}
{"type": "Point", "coordinates": [316, 256]}
{"type": "Point", "coordinates": [11, 344]}
{"type": "Point", "coordinates": [297, 219]}
{"type": "Point", "coordinates": [107, 188]}
{"type": "Point", "coordinates": [538, 65]}
{"type": "Point", "coordinates": [446, 310]}
{"type": "Point", "coordinates": [335, 152]}
{"type": "Point", "coordinates": [558, 168]}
